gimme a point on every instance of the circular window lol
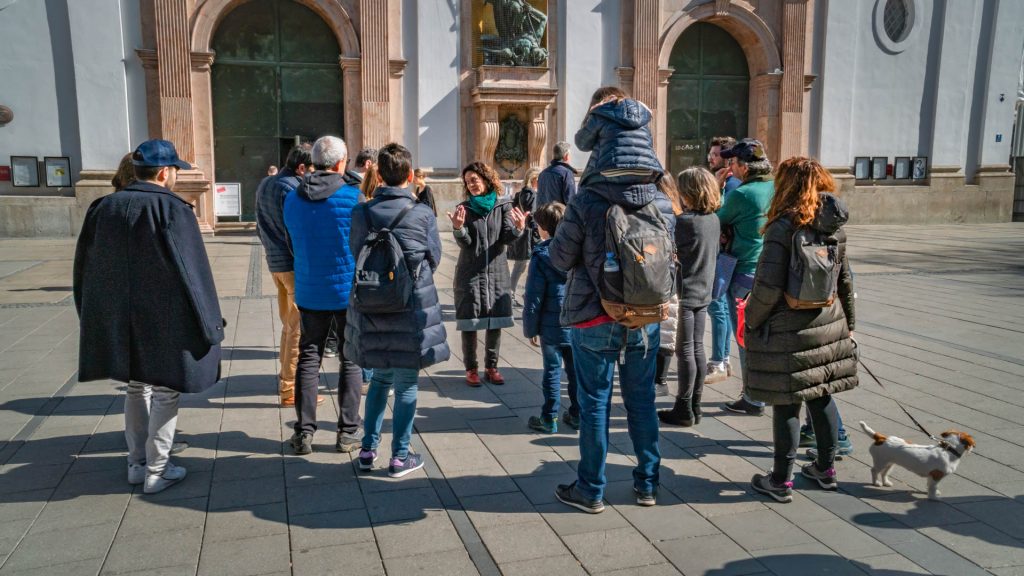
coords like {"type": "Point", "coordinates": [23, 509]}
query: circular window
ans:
{"type": "Point", "coordinates": [894, 23]}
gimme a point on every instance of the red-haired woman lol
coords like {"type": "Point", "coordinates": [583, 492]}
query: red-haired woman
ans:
{"type": "Point", "coordinates": [484, 225]}
{"type": "Point", "coordinates": [800, 351]}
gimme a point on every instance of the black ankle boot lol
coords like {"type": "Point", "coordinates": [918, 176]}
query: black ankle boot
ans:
{"type": "Point", "coordinates": [695, 406]}
{"type": "Point", "coordinates": [680, 415]}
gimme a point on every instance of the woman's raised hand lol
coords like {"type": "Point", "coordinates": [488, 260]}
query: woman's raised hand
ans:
{"type": "Point", "coordinates": [459, 218]}
{"type": "Point", "coordinates": [518, 218]}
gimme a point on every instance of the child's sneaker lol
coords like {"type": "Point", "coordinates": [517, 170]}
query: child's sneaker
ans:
{"type": "Point", "coordinates": [541, 425]}
{"type": "Point", "coordinates": [844, 448]}
{"type": "Point", "coordinates": [645, 498]}
{"type": "Point", "coordinates": [826, 479]}
{"type": "Point", "coordinates": [807, 438]}
{"type": "Point", "coordinates": [717, 372]}
{"type": "Point", "coordinates": [399, 467]}
{"type": "Point", "coordinates": [570, 495]}
{"type": "Point", "coordinates": [366, 459]}
{"type": "Point", "coordinates": [764, 484]}
{"type": "Point", "coordinates": [571, 421]}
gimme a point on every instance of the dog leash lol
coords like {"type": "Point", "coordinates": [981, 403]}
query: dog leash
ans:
{"type": "Point", "coordinates": [946, 445]}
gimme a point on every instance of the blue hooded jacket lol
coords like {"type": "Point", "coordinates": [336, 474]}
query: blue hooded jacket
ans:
{"type": "Point", "coordinates": [542, 305]}
{"type": "Point", "coordinates": [318, 216]}
{"type": "Point", "coordinates": [618, 137]}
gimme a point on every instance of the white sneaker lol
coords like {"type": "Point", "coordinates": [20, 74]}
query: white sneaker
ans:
{"type": "Point", "coordinates": [160, 482]}
{"type": "Point", "coordinates": [136, 474]}
{"type": "Point", "coordinates": [717, 372]}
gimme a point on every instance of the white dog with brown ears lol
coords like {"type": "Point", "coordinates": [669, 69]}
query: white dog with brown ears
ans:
{"type": "Point", "coordinates": [934, 462]}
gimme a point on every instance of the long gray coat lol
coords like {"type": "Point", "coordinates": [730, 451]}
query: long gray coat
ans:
{"type": "Point", "coordinates": [799, 355]}
{"type": "Point", "coordinates": [483, 287]}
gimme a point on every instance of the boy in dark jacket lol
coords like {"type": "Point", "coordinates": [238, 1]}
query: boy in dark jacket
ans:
{"type": "Point", "coordinates": [397, 345]}
{"type": "Point", "coordinates": [545, 292]}
{"type": "Point", "coordinates": [616, 131]}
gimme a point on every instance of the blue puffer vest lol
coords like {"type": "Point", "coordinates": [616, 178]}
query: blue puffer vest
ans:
{"type": "Point", "coordinates": [542, 305]}
{"type": "Point", "coordinates": [618, 136]}
{"type": "Point", "coordinates": [318, 216]}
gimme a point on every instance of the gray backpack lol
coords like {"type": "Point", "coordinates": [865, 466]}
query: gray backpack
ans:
{"type": "Point", "coordinates": [814, 266]}
{"type": "Point", "coordinates": [638, 277]}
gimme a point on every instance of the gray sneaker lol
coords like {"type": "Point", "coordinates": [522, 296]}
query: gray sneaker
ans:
{"type": "Point", "coordinates": [717, 372]}
{"type": "Point", "coordinates": [159, 482]}
{"type": "Point", "coordinates": [302, 443]}
{"type": "Point", "coordinates": [347, 442]}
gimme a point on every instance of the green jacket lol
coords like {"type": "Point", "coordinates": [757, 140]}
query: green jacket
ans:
{"type": "Point", "coordinates": [745, 209]}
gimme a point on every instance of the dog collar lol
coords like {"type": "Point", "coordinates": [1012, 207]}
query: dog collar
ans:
{"type": "Point", "coordinates": [949, 448]}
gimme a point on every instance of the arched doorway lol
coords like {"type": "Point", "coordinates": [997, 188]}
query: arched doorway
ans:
{"type": "Point", "coordinates": [708, 93]}
{"type": "Point", "coordinates": [275, 78]}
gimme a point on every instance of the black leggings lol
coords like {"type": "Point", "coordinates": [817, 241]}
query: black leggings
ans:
{"type": "Point", "coordinates": [786, 432]}
{"type": "Point", "coordinates": [492, 343]}
{"type": "Point", "coordinates": [693, 361]}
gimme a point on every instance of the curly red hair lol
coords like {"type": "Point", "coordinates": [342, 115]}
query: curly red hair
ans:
{"type": "Point", "coordinates": [798, 181]}
{"type": "Point", "coordinates": [485, 172]}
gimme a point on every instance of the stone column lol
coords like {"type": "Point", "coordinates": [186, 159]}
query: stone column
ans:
{"type": "Point", "coordinates": [647, 20]}
{"type": "Point", "coordinates": [351, 87]}
{"type": "Point", "coordinates": [374, 73]}
{"type": "Point", "coordinates": [794, 41]}
{"type": "Point", "coordinates": [764, 125]}
{"type": "Point", "coordinates": [169, 75]}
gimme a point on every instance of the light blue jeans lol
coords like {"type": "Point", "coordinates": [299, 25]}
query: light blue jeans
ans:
{"type": "Point", "coordinates": [721, 328]}
{"type": "Point", "coordinates": [596, 351]}
{"type": "Point", "coordinates": [404, 412]}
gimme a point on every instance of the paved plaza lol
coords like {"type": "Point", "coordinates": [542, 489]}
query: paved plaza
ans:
{"type": "Point", "coordinates": [940, 315]}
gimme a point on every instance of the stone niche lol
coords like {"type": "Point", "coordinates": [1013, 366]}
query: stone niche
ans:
{"type": "Point", "coordinates": [510, 87]}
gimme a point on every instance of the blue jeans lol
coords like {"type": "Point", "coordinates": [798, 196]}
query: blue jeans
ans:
{"type": "Point", "coordinates": [737, 292]}
{"type": "Point", "coordinates": [721, 328]}
{"type": "Point", "coordinates": [404, 381]}
{"type": "Point", "coordinates": [554, 356]}
{"type": "Point", "coordinates": [596, 351]}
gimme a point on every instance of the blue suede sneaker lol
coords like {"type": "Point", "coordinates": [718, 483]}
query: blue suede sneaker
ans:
{"type": "Point", "coordinates": [399, 467]}
{"type": "Point", "coordinates": [541, 425]}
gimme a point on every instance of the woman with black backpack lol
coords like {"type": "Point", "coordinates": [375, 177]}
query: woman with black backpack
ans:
{"type": "Point", "coordinates": [799, 322]}
{"type": "Point", "coordinates": [519, 252]}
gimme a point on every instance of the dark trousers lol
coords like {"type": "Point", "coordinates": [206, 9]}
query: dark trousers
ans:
{"type": "Point", "coordinates": [786, 432]}
{"type": "Point", "coordinates": [332, 337]}
{"type": "Point", "coordinates": [662, 365]}
{"type": "Point", "coordinates": [315, 326]}
{"type": "Point", "coordinates": [693, 361]}
{"type": "Point", "coordinates": [492, 342]}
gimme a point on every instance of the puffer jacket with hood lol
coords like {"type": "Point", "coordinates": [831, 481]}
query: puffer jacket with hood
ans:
{"type": "Point", "coordinates": [618, 137]}
{"type": "Point", "coordinates": [579, 249]}
{"type": "Point", "coordinates": [318, 216]}
{"type": "Point", "coordinates": [542, 305]}
{"type": "Point", "coordinates": [799, 355]}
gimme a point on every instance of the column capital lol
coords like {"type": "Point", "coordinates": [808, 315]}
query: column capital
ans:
{"type": "Point", "coordinates": [396, 68]}
{"type": "Point", "coordinates": [201, 61]}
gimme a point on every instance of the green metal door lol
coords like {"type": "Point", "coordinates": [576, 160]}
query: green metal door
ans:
{"type": "Point", "coordinates": [708, 93]}
{"type": "Point", "coordinates": [275, 77]}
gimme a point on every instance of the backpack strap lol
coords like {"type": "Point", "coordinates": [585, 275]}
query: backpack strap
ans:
{"type": "Point", "coordinates": [397, 220]}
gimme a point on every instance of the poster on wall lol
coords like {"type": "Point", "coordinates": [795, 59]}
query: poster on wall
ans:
{"type": "Point", "coordinates": [862, 168]}
{"type": "Point", "coordinates": [901, 170]}
{"type": "Point", "coordinates": [227, 199]}
{"type": "Point", "coordinates": [58, 171]}
{"type": "Point", "coordinates": [24, 171]}
{"type": "Point", "coordinates": [920, 167]}
{"type": "Point", "coordinates": [878, 167]}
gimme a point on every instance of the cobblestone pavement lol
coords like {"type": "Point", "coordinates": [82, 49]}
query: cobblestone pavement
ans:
{"type": "Point", "coordinates": [939, 320]}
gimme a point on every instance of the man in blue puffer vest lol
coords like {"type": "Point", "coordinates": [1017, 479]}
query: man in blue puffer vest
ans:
{"type": "Point", "coordinates": [318, 216]}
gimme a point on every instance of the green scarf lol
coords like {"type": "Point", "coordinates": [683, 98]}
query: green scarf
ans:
{"type": "Point", "coordinates": [484, 203]}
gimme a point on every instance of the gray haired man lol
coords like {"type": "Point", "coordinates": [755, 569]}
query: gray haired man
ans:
{"type": "Point", "coordinates": [557, 183]}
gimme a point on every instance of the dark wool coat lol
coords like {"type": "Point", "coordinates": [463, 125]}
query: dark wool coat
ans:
{"type": "Point", "coordinates": [522, 248]}
{"type": "Point", "coordinates": [542, 305]}
{"type": "Point", "coordinates": [798, 355]}
{"type": "Point", "coordinates": [144, 293]}
{"type": "Point", "coordinates": [483, 287]}
{"type": "Point", "coordinates": [415, 338]}
{"type": "Point", "coordinates": [579, 243]}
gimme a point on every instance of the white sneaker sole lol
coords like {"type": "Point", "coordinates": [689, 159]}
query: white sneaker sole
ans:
{"type": "Point", "coordinates": [404, 471]}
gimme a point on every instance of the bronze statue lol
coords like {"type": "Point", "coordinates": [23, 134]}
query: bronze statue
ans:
{"type": "Point", "coordinates": [520, 29]}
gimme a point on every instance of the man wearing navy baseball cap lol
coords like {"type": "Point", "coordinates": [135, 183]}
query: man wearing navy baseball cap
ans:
{"type": "Point", "coordinates": [148, 308]}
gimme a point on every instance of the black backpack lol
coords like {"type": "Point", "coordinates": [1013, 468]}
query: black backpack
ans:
{"type": "Point", "coordinates": [638, 277]}
{"type": "Point", "coordinates": [814, 266]}
{"type": "Point", "coordinates": [383, 283]}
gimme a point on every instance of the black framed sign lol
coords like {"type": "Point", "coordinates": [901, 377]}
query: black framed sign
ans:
{"type": "Point", "coordinates": [878, 166]}
{"type": "Point", "coordinates": [24, 171]}
{"type": "Point", "coordinates": [901, 168]}
{"type": "Point", "coordinates": [58, 171]}
{"type": "Point", "coordinates": [920, 168]}
{"type": "Point", "coordinates": [862, 168]}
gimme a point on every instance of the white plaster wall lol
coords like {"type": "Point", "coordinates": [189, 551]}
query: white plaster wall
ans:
{"type": "Point", "coordinates": [434, 85]}
{"type": "Point", "coordinates": [591, 42]}
{"type": "Point", "coordinates": [29, 83]}
{"type": "Point", "coordinates": [1004, 65]}
{"type": "Point", "coordinates": [100, 82]}
{"type": "Point", "coordinates": [135, 76]}
{"type": "Point", "coordinates": [960, 32]}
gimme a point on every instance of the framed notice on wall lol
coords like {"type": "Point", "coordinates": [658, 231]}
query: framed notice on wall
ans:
{"type": "Point", "coordinates": [24, 171]}
{"type": "Point", "coordinates": [58, 171]}
{"type": "Point", "coordinates": [227, 199]}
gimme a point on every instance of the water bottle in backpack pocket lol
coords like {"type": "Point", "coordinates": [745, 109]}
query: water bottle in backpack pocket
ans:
{"type": "Point", "coordinates": [638, 277]}
{"type": "Point", "coordinates": [383, 282]}
{"type": "Point", "coordinates": [814, 266]}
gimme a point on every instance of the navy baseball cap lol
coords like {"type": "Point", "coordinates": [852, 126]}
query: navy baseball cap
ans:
{"type": "Point", "coordinates": [747, 150]}
{"type": "Point", "coordinates": [157, 153]}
